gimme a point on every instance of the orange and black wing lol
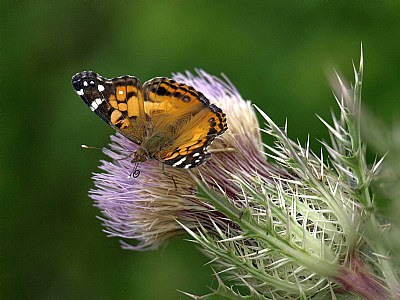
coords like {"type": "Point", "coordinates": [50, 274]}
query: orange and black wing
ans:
{"type": "Point", "coordinates": [118, 101]}
{"type": "Point", "coordinates": [193, 123]}
{"type": "Point", "coordinates": [166, 102]}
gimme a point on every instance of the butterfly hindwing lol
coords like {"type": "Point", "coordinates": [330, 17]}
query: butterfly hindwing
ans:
{"type": "Point", "coordinates": [189, 147]}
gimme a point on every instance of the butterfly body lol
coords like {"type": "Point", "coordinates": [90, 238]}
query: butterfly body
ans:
{"type": "Point", "coordinates": [169, 121]}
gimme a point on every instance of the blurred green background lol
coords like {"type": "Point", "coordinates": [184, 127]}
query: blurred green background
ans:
{"type": "Point", "coordinates": [276, 53]}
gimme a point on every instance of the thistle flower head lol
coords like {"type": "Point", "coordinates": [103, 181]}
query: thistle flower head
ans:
{"type": "Point", "coordinates": [146, 208]}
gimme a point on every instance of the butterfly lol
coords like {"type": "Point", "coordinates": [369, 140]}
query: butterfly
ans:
{"type": "Point", "coordinates": [169, 121]}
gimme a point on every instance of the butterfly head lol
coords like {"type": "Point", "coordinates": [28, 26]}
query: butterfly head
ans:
{"type": "Point", "coordinates": [140, 155]}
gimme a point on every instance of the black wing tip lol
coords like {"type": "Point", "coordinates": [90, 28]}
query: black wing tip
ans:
{"type": "Point", "coordinates": [81, 76]}
{"type": "Point", "coordinates": [84, 74]}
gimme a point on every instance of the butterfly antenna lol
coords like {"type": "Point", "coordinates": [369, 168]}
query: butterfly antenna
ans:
{"type": "Point", "coordinates": [135, 172]}
{"type": "Point", "coordinates": [90, 147]}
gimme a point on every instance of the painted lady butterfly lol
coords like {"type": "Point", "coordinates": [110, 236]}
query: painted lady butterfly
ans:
{"type": "Point", "coordinates": [171, 122]}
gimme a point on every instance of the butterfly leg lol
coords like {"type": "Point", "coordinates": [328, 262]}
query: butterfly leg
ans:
{"type": "Point", "coordinates": [172, 177]}
{"type": "Point", "coordinates": [127, 156]}
{"type": "Point", "coordinates": [135, 172]}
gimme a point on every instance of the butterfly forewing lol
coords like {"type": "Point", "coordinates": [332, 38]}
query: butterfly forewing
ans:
{"type": "Point", "coordinates": [118, 101]}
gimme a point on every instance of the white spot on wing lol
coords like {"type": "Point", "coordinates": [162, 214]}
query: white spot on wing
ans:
{"type": "Point", "coordinates": [94, 106]}
{"type": "Point", "coordinates": [179, 162]}
{"type": "Point", "coordinates": [98, 101]}
{"type": "Point", "coordinates": [80, 92]}
{"type": "Point", "coordinates": [85, 83]}
{"type": "Point", "coordinates": [188, 166]}
{"type": "Point", "coordinates": [196, 154]}
{"type": "Point", "coordinates": [100, 88]}
{"type": "Point", "coordinates": [120, 92]}
{"type": "Point", "coordinates": [91, 82]}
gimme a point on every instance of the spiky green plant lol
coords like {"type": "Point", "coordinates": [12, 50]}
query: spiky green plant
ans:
{"type": "Point", "coordinates": [309, 229]}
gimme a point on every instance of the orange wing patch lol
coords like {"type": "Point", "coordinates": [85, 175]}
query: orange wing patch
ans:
{"type": "Point", "coordinates": [167, 101]}
{"type": "Point", "coordinates": [129, 115]}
